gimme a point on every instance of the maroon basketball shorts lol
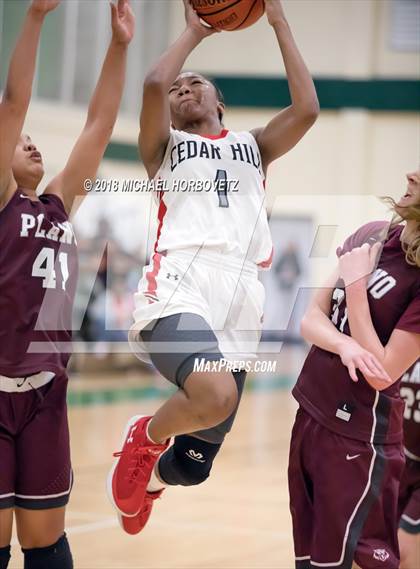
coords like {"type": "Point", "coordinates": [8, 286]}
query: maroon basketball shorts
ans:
{"type": "Point", "coordinates": [343, 499]}
{"type": "Point", "coordinates": [35, 468]}
{"type": "Point", "coordinates": [409, 503]}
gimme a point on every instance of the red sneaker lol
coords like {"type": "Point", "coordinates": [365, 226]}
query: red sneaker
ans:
{"type": "Point", "coordinates": [134, 525]}
{"type": "Point", "coordinates": [131, 471]}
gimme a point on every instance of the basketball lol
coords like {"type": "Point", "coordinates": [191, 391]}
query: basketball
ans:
{"type": "Point", "coordinates": [229, 15]}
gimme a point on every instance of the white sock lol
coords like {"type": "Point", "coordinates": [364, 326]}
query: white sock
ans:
{"type": "Point", "coordinates": [148, 436]}
{"type": "Point", "coordinates": [155, 484]}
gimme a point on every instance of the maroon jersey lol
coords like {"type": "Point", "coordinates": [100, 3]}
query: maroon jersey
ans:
{"type": "Point", "coordinates": [410, 392]}
{"type": "Point", "coordinates": [38, 274]}
{"type": "Point", "coordinates": [324, 388]}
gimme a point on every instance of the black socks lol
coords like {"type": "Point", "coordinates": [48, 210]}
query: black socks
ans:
{"type": "Point", "coordinates": [56, 556]}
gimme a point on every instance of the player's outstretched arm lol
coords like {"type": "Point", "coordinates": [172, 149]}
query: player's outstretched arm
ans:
{"type": "Point", "coordinates": [403, 347]}
{"type": "Point", "coordinates": [17, 93]}
{"type": "Point", "coordinates": [155, 114]}
{"type": "Point", "coordinates": [103, 110]}
{"type": "Point", "coordinates": [318, 329]}
{"type": "Point", "coordinates": [285, 130]}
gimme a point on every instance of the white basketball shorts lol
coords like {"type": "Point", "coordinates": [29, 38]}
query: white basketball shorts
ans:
{"type": "Point", "coordinates": [224, 290]}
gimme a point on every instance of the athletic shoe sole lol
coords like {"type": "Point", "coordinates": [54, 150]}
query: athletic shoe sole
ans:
{"type": "Point", "coordinates": [120, 521]}
{"type": "Point", "coordinates": [109, 491]}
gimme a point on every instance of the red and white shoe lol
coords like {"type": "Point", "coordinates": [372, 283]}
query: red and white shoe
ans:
{"type": "Point", "coordinates": [132, 468]}
{"type": "Point", "coordinates": [134, 525]}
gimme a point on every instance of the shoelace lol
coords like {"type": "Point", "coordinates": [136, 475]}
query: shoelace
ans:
{"type": "Point", "coordinates": [138, 456]}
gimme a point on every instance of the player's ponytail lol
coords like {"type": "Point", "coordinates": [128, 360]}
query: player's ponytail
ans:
{"type": "Point", "coordinates": [409, 213]}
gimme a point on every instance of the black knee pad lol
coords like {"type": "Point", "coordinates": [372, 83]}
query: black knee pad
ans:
{"type": "Point", "coordinates": [188, 461]}
{"type": "Point", "coordinates": [4, 557]}
{"type": "Point", "coordinates": [218, 433]}
{"type": "Point", "coordinates": [56, 556]}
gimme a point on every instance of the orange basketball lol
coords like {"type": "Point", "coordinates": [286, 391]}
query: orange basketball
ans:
{"type": "Point", "coordinates": [229, 15]}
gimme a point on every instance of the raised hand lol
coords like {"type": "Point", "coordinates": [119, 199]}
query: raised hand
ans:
{"type": "Point", "coordinates": [44, 6]}
{"type": "Point", "coordinates": [123, 22]}
{"type": "Point", "coordinates": [359, 263]}
{"type": "Point", "coordinates": [274, 11]}
{"type": "Point", "coordinates": [194, 23]}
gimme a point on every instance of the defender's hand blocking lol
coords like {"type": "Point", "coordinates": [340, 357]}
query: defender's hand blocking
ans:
{"type": "Point", "coordinates": [44, 6]}
{"type": "Point", "coordinates": [194, 23]}
{"type": "Point", "coordinates": [359, 263]}
{"type": "Point", "coordinates": [123, 22]}
{"type": "Point", "coordinates": [274, 11]}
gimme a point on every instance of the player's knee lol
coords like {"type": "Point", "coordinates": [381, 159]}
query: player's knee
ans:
{"type": "Point", "coordinates": [190, 474]}
{"type": "Point", "coordinates": [404, 560]}
{"type": "Point", "coordinates": [4, 557]}
{"type": "Point", "coordinates": [29, 541]}
{"type": "Point", "coordinates": [222, 402]}
{"type": "Point", "coordinates": [409, 556]}
{"type": "Point", "coordinates": [219, 399]}
{"type": "Point", "coordinates": [179, 470]}
{"type": "Point", "coordinates": [55, 556]}
{"type": "Point", "coordinates": [409, 549]}
{"type": "Point", "coordinates": [188, 462]}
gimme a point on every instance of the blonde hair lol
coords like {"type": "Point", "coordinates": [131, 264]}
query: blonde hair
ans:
{"type": "Point", "coordinates": [409, 213]}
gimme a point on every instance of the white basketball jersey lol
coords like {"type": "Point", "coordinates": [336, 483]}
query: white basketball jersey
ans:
{"type": "Point", "coordinates": [213, 196]}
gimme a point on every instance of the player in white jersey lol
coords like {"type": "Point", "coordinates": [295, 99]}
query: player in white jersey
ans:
{"type": "Point", "coordinates": [214, 195]}
{"type": "Point", "coordinates": [200, 302]}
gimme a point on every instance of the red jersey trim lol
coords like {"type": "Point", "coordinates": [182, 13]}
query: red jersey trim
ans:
{"type": "Point", "coordinates": [223, 134]}
{"type": "Point", "coordinates": [267, 263]}
{"type": "Point", "coordinates": [151, 276]}
{"type": "Point", "coordinates": [161, 215]}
